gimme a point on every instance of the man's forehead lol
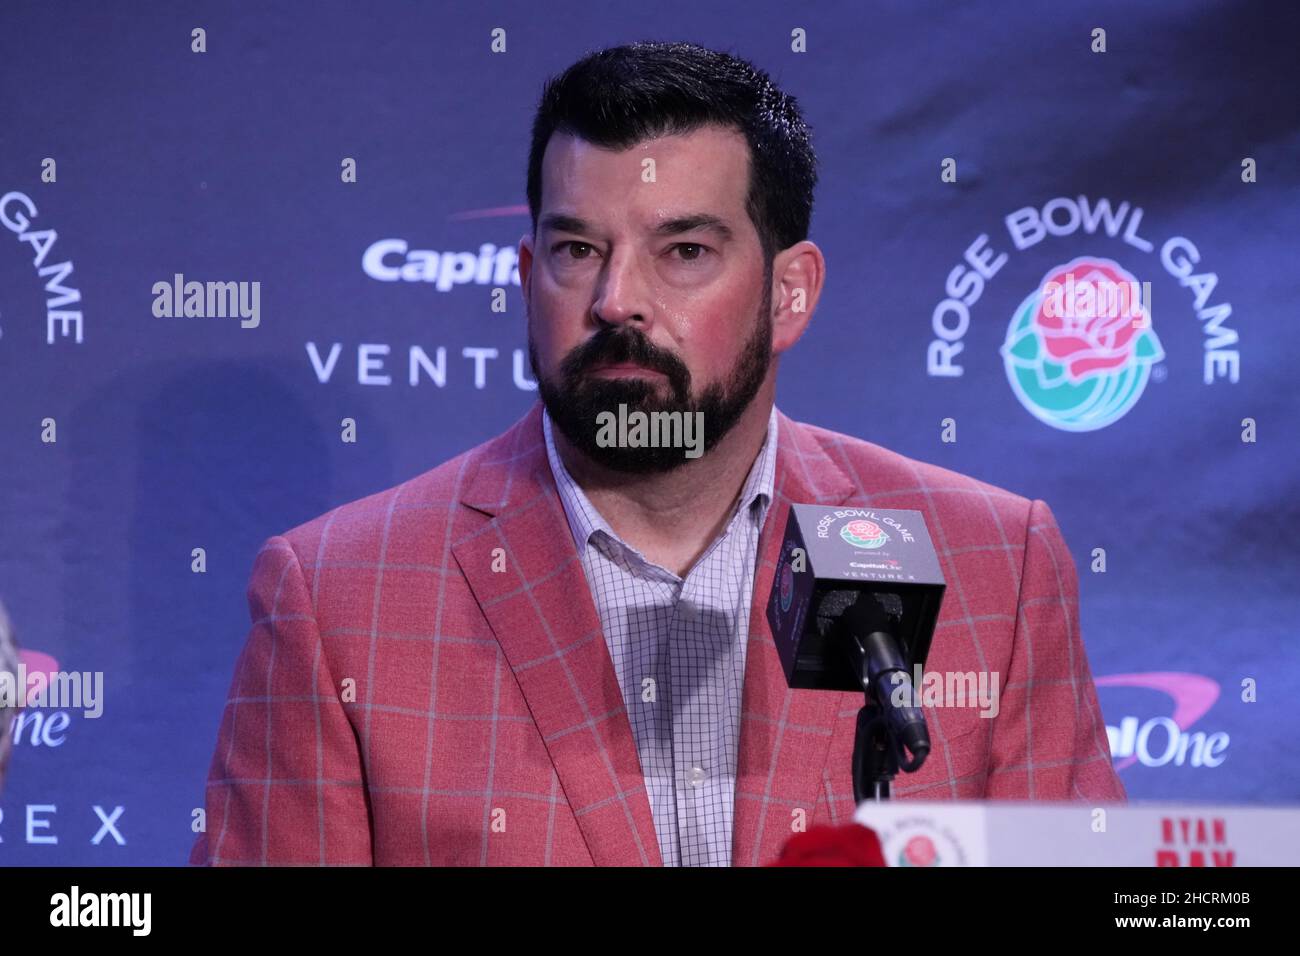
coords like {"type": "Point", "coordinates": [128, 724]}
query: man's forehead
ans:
{"type": "Point", "coordinates": [705, 170]}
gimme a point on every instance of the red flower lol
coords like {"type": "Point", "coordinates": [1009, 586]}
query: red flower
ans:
{"type": "Point", "coordinates": [848, 845]}
{"type": "Point", "coordinates": [1089, 317]}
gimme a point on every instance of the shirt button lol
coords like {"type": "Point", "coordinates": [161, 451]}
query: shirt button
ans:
{"type": "Point", "coordinates": [697, 776]}
{"type": "Point", "coordinates": [687, 610]}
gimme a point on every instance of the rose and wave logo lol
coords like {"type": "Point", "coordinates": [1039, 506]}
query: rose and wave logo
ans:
{"type": "Point", "coordinates": [863, 533]}
{"type": "Point", "coordinates": [919, 851]}
{"type": "Point", "coordinates": [1080, 348]}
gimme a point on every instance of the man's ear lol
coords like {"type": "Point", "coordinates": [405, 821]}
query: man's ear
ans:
{"type": "Point", "coordinates": [798, 274]}
{"type": "Point", "coordinates": [525, 253]}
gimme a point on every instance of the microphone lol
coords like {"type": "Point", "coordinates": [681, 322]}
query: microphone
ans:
{"type": "Point", "coordinates": [854, 601]}
{"type": "Point", "coordinates": [882, 666]}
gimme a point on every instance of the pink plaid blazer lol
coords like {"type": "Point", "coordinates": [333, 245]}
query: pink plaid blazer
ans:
{"type": "Point", "coordinates": [426, 681]}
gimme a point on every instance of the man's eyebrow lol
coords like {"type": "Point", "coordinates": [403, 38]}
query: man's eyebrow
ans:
{"type": "Point", "coordinates": [561, 222]}
{"type": "Point", "coordinates": [692, 223]}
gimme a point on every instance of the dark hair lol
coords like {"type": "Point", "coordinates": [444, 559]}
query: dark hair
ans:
{"type": "Point", "coordinates": [625, 95]}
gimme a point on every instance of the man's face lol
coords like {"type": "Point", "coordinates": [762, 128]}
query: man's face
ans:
{"type": "Point", "coordinates": [650, 294]}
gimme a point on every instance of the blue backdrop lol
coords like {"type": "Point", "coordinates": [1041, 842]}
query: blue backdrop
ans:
{"type": "Point", "coordinates": [180, 433]}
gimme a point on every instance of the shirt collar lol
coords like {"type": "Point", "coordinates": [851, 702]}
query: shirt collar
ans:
{"type": "Point", "coordinates": [585, 520]}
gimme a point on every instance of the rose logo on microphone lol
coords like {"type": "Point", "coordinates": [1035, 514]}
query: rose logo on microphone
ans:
{"type": "Point", "coordinates": [863, 533]}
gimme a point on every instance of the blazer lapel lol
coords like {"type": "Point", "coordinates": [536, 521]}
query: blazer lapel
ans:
{"type": "Point", "coordinates": [537, 601]}
{"type": "Point", "coordinates": [785, 734]}
{"type": "Point", "coordinates": [526, 575]}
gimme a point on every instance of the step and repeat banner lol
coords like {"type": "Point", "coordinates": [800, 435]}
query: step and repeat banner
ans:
{"type": "Point", "coordinates": [356, 171]}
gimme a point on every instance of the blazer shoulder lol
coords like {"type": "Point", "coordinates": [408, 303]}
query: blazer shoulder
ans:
{"type": "Point", "coordinates": [358, 525]}
{"type": "Point", "coordinates": [880, 474]}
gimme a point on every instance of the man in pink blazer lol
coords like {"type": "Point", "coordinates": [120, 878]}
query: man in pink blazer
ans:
{"type": "Point", "coordinates": [438, 674]}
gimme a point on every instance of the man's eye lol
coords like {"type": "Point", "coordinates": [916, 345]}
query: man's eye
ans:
{"type": "Point", "coordinates": [573, 244]}
{"type": "Point", "coordinates": [694, 251]}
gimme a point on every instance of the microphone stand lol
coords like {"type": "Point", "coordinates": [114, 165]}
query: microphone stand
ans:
{"type": "Point", "coordinates": [875, 754]}
{"type": "Point", "coordinates": [878, 754]}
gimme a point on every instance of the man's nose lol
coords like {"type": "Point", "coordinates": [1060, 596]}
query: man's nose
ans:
{"type": "Point", "coordinates": [622, 294]}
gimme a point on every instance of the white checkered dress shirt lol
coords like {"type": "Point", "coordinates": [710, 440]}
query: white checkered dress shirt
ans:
{"type": "Point", "coordinates": [678, 647]}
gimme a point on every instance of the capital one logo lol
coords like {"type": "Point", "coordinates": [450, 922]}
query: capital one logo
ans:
{"type": "Point", "coordinates": [1167, 739]}
{"type": "Point", "coordinates": [1079, 349]}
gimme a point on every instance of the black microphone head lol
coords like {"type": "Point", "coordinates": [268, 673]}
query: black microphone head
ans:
{"type": "Point", "coordinates": [834, 556]}
{"type": "Point", "coordinates": [863, 610]}
{"type": "Point", "coordinates": [832, 607]}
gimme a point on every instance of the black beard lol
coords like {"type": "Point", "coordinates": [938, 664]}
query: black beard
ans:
{"type": "Point", "coordinates": [574, 399]}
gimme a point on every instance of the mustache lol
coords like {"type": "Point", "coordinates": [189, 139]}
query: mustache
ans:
{"type": "Point", "coordinates": [619, 345]}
